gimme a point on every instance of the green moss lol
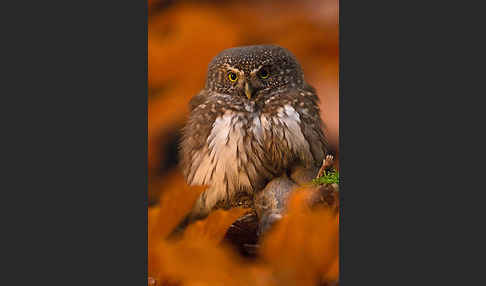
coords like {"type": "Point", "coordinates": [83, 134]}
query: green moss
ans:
{"type": "Point", "coordinates": [329, 177]}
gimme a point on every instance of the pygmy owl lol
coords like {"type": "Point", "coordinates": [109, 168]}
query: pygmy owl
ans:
{"type": "Point", "coordinates": [256, 124]}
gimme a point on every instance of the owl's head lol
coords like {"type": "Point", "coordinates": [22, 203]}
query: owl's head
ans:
{"type": "Point", "coordinates": [247, 70]}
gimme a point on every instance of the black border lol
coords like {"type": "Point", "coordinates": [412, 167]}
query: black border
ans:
{"type": "Point", "coordinates": [405, 122]}
{"type": "Point", "coordinates": [75, 182]}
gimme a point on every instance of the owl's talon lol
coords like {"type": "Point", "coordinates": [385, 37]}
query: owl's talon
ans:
{"type": "Point", "coordinates": [326, 164]}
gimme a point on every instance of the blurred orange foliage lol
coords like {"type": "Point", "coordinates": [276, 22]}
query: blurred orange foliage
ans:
{"type": "Point", "coordinates": [304, 244]}
{"type": "Point", "coordinates": [301, 249]}
{"type": "Point", "coordinates": [214, 227]}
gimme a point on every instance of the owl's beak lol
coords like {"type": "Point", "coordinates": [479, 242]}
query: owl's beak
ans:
{"type": "Point", "coordinates": [248, 90]}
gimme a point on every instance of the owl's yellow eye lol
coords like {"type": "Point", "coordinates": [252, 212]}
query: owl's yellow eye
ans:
{"type": "Point", "coordinates": [232, 76]}
{"type": "Point", "coordinates": [263, 73]}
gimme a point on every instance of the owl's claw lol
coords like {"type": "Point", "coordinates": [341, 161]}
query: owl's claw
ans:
{"type": "Point", "coordinates": [326, 164]}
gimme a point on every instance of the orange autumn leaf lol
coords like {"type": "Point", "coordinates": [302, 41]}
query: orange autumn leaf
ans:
{"type": "Point", "coordinates": [301, 249]}
{"type": "Point", "coordinates": [333, 273]}
{"type": "Point", "coordinates": [174, 205]}
{"type": "Point", "coordinates": [153, 215]}
{"type": "Point", "coordinates": [196, 262]}
{"type": "Point", "coordinates": [214, 227]}
{"type": "Point", "coordinates": [304, 245]}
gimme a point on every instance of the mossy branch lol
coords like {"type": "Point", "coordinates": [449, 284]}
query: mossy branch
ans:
{"type": "Point", "coordinates": [327, 174]}
{"type": "Point", "coordinates": [329, 177]}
